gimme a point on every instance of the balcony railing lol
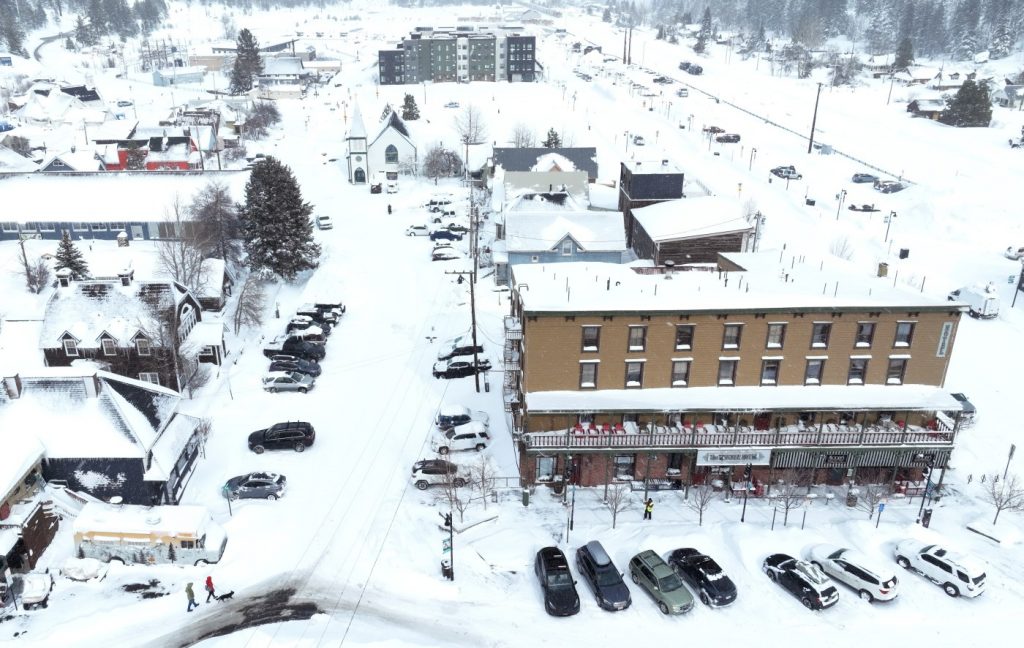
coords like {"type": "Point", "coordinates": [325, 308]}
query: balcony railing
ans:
{"type": "Point", "coordinates": [722, 437]}
{"type": "Point", "coordinates": [513, 328]}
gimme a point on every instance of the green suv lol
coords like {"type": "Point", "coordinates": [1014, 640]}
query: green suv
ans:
{"type": "Point", "coordinates": [650, 572]}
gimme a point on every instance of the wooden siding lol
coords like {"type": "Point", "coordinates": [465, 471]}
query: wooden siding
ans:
{"type": "Point", "coordinates": [704, 249]}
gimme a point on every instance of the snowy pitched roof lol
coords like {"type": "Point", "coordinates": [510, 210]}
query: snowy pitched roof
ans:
{"type": "Point", "coordinates": [100, 517]}
{"type": "Point", "coordinates": [642, 165]}
{"type": "Point", "coordinates": [770, 281]}
{"type": "Point", "coordinates": [689, 218]}
{"type": "Point", "coordinates": [14, 162]}
{"type": "Point", "coordinates": [112, 131]}
{"type": "Point", "coordinates": [78, 160]}
{"type": "Point", "coordinates": [356, 130]}
{"type": "Point", "coordinates": [20, 453]}
{"type": "Point", "coordinates": [549, 201]}
{"type": "Point", "coordinates": [553, 162]}
{"type": "Point", "coordinates": [212, 272]}
{"type": "Point", "coordinates": [879, 60]}
{"type": "Point", "coordinates": [89, 309]}
{"type": "Point", "coordinates": [527, 159]}
{"type": "Point", "coordinates": [282, 66]}
{"type": "Point", "coordinates": [393, 122]}
{"type": "Point", "coordinates": [592, 231]}
{"type": "Point", "coordinates": [168, 448]}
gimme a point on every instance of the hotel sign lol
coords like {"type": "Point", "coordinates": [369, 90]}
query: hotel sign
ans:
{"type": "Point", "coordinates": [944, 335]}
{"type": "Point", "coordinates": [734, 457]}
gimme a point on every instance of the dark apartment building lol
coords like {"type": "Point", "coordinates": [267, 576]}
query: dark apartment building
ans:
{"type": "Point", "coordinates": [646, 182]}
{"type": "Point", "coordinates": [460, 54]}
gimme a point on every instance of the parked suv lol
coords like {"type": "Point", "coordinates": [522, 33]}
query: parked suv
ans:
{"type": "Point", "coordinates": [872, 583]}
{"type": "Point", "coordinates": [433, 472]}
{"type": "Point", "coordinates": [959, 575]}
{"type": "Point", "coordinates": [295, 346]}
{"type": "Point", "coordinates": [458, 346]}
{"type": "Point", "coordinates": [320, 316]}
{"type": "Point", "coordinates": [650, 572]}
{"type": "Point", "coordinates": [604, 577]}
{"type": "Point", "coordinates": [786, 172]}
{"type": "Point", "coordinates": [471, 436]}
{"type": "Point", "coordinates": [451, 415]}
{"type": "Point", "coordinates": [445, 234]}
{"type": "Point", "coordinates": [297, 364]}
{"type": "Point", "coordinates": [457, 368]}
{"type": "Point", "coordinates": [714, 588]}
{"type": "Point", "coordinates": [297, 435]}
{"type": "Point", "coordinates": [801, 579]}
{"type": "Point", "coordinates": [560, 597]}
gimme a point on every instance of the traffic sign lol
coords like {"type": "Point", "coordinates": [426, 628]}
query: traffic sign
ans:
{"type": "Point", "coordinates": [446, 545]}
{"type": "Point", "coordinates": [881, 507]}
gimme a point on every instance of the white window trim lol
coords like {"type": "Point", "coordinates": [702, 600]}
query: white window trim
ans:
{"type": "Point", "coordinates": [679, 383]}
{"type": "Point", "coordinates": [730, 346]}
{"type": "Point", "coordinates": [819, 345]}
{"type": "Point", "coordinates": [862, 345]}
{"type": "Point", "coordinates": [812, 381]}
{"type": "Point", "coordinates": [780, 358]}
{"type": "Point", "coordinates": [149, 347]}
{"type": "Point", "coordinates": [73, 351]}
{"type": "Point", "coordinates": [861, 357]}
{"type": "Point", "coordinates": [144, 376]}
{"type": "Point", "coordinates": [721, 358]}
{"type": "Point", "coordinates": [899, 356]}
{"type": "Point", "coordinates": [103, 346]}
{"type": "Point", "coordinates": [816, 357]}
{"type": "Point", "coordinates": [636, 360]}
{"type": "Point", "coordinates": [682, 359]}
{"type": "Point", "coordinates": [590, 361]}
{"type": "Point", "coordinates": [854, 381]}
{"type": "Point", "coordinates": [901, 345]}
{"type": "Point", "coordinates": [684, 347]}
{"type": "Point", "coordinates": [893, 381]}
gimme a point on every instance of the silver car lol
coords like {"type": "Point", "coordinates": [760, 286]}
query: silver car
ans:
{"type": "Point", "coordinates": [256, 485]}
{"type": "Point", "coordinates": [277, 381]}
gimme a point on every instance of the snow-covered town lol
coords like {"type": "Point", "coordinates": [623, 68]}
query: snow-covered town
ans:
{"type": "Point", "coordinates": [424, 324]}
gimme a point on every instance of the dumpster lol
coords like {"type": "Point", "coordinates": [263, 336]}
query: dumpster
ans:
{"type": "Point", "coordinates": [526, 497]}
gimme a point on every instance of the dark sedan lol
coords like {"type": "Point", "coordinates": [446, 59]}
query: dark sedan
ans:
{"type": "Point", "coordinates": [552, 569]}
{"type": "Point", "coordinates": [446, 234]}
{"type": "Point", "coordinates": [257, 485]}
{"type": "Point", "coordinates": [728, 138]}
{"type": "Point", "coordinates": [302, 366]}
{"type": "Point", "coordinates": [862, 178]}
{"type": "Point", "coordinates": [705, 576]}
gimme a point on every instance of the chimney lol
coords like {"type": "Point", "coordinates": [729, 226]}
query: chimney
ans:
{"type": "Point", "coordinates": [126, 277]}
{"type": "Point", "coordinates": [12, 385]}
{"type": "Point", "coordinates": [64, 277]}
{"type": "Point", "coordinates": [72, 148]}
{"type": "Point", "coordinates": [92, 385]}
{"type": "Point", "coordinates": [664, 163]}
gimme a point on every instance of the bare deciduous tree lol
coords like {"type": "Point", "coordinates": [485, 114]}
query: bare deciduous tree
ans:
{"type": "Point", "coordinates": [250, 304]}
{"type": "Point", "coordinates": [440, 162]}
{"type": "Point", "coordinates": [617, 499]}
{"type": "Point", "coordinates": [37, 272]}
{"type": "Point", "coordinates": [523, 136]}
{"type": "Point", "coordinates": [173, 352]}
{"type": "Point", "coordinates": [482, 474]}
{"type": "Point", "coordinates": [841, 248]}
{"type": "Point", "coordinates": [181, 256]}
{"type": "Point", "coordinates": [469, 125]}
{"type": "Point", "coordinates": [456, 493]}
{"type": "Point", "coordinates": [203, 430]}
{"type": "Point", "coordinates": [870, 497]}
{"type": "Point", "coordinates": [788, 498]}
{"type": "Point", "coordinates": [1005, 495]}
{"type": "Point", "coordinates": [701, 499]}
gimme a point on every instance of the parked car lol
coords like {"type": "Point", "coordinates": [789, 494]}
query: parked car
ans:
{"type": "Point", "coordinates": [786, 172]}
{"type": "Point", "coordinates": [296, 435]}
{"type": "Point", "coordinates": [324, 222]}
{"type": "Point", "coordinates": [695, 70]}
{"type": "Point", "coordinates": [459, 368]}
{"type": "Point", "coordinates": [603, 576]}
{"type": "Point", "coordinates": [256, 485]}
{"type": "Point", "coordinates": [438, 201]}
{"type": "Point", "coordinates": [552, 569]}
{"type": "Point", "coordinates": [452, 415]}
{"type": "Point", "coordinates": [321, 316]}
{"type": "Point", "coordinates": [445, 234]}
{"type": "Point", "coordinates": [801, 579]}
{"type": "Point", "coordinates": [957, 574]}
{"type": "Point", "coordinates": [305, 326]}
{"type": "Point", "coordinates": [446, 254]}
{"type": "Point", "coordinates": [861, 178]}
{"type": "Point", "coordinates": [458, 346]}
{"type": "Point", "coordinates": [662, 80]}
{"type": "Point", "coordinates": [279, 381]}
{"type": "Point", "coordinates": [124, 103]}
{"type": "Point", "coordinates": [310, 334]}
{"type": "Point", "coordinates": [457, 228]}
{"type": "Point", "coordinates": [294, 346]}
{"type": "Point", "coordinates": [638, 140]}
{"type": "Point", "coordinates": [682, 92]}
{"type": "Point", "coordinates": [714, 130]}
{"type": "Point", "coordinates": [376, 188]}
{"type": "Point", "coordinates": [714, 588]}
{"type": "Point", "coordinates": [652, 574]}
{"type": "Point", "coordinates": [297, 365]}
{"type": "Point", "coordinates": [35, 590]}
{"type": "Point", "coordinates": [888, 186]}
{"type": "Point", "coordinates": [1014, 253]}
{"type": "Point", "coordinates": [6, 126]}
{"type": "Point", "coordinates": [872, 583]}
{"type": "Point", "coordinates": [471, 436]}
{"type": "Point", "coordinates": [417, 230]}
{"type": "Point", "coordinates": [452, 104]}
{"type": "Point", "coordinates": [982, 301]}
{"type": "Point", "coordinates": [685, 66]}
{"type": "Point", "coordinates": [435, 472]}
{"type": "Point", "coordinates": [728, 138]}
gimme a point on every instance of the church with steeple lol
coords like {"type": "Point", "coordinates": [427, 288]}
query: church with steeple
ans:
{"type": "Point", "coordinates": [389, 149]}
{"type": "Point", "coordinates": [358, 165]}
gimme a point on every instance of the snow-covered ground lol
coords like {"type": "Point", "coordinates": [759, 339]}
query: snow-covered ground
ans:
{"type": "Point", "coordinates": [353, 551]}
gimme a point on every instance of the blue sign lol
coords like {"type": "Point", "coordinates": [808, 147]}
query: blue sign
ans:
{"type": "Point", "coordinates": [881, 507]}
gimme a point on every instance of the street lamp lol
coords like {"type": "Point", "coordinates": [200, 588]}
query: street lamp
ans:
{"type": "Point", "coordinates": [753, 154]}
{"type": "Point", "coordinates": [746, 490]}
{"type": "Point", "coordinates": [842, 198]}
{"type": "Point", "coordinates": [571, 475]}
{"type": "Point", "coordinates": [927, 486]}
{"type": "Point", "coordinates": [888, 221]}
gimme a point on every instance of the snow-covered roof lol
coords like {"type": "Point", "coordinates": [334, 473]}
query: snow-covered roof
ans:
{"type": "Point", "coordinates": [930, 104]}
{"type": "Point", "coordinates": [212, 272]}
{"type": "Point", "coordinates": [168, 448]}
{"type": "Point", "coordinates": [96, 517]}
{"type": "Point", "coordinates": [20, 453]}
{"type": "Point", "coordinates": [115, 129]}
{"type": "Point", "coordinates": [748, 398]}
{"type": "Point", "coordinates": [181, 71]}
{"type": "Point", "coordinates": [770, 281]}
{"type": "Point", "coordinates": [528, 200]}
{"type": "Point", "coordinates": [173, 153]}
{"type": "Point", "coordinates": [208, 333]}
{"type": "Point", "coordinates": [356, 129]}
{"type": "Point", "coordinates": [88, 309]}
{"type": "Point", "coordinates": [662, 165]}
{"type": "Point", "coordinates": [395, 123]}
{"type": "Point", "coordinates": [878, 60]}
{"type": "Point", "coordinates": [77, 160]}
{"type": "Point", "coordinates": [527, 159]}
{"type": "Point", "coordinates": [14, 162]}
{"type": "Point", "coordinates": [604, 197]}
{"type": "Point", "coordinates": [282, 65]}
{"type": "Point", "coordinates": [592, 231]}
{"type": "Point", "coordinates": [688, 218]}
{"type": "Point", "coordinates": [553, 162]}
{"type": "Point", "coordinates": [113, 197]}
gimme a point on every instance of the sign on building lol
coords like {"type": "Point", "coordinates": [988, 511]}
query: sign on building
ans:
{"type": "Point", "coordinates": [835, 460]}
{"type": "Point", "coordinates": [734, 457]}
{"type": "Point", "coordinates": [944, 335]}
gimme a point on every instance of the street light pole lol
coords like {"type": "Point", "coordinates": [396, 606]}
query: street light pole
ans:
{"type": "Point", "coordinates": [842, 197]}
{"type": "Point", "coordinates": [814, 120]}
{"type": "Point", "coordinates": [927, 487]}
{"type": "Point", "coordinates": [753, 154]}
{"type": "Point", "coordinates": [888, 224]}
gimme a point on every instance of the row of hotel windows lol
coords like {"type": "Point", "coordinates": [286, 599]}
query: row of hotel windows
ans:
{"type": "Point", "coordinates": [52, 227]}
{"type": "Point", "coordinates": [108, 346]}
{"type": "Point", "coordinates": [770, 368]}
{"type": "Point", "coordinates": [624, 466]}
{"type": "Point", "coordinates": [732, 334]}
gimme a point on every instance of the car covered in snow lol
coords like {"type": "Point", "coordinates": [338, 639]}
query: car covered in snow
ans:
{"type": "Point", "coordinates": [459, 368]}
{"type": "Point", "coordinates": [452, 415]}
{"type": "Point", "coordinates": [279, 381]}
{"type": "Point", "coordinates": [324, 222]}
{"type": "Point", "coordinates": [461, 345]}
{"type": "Point", "coordinates": [438, 201]}
{"type": "Point", "coordinates": [446, 254]}
{"type": "Point", "coordinates": [437, 472]}
{"type": "Point", "coordinates": [786, 172]}
{"type": "Point", "coordinates": [682, 92]}
{"type": "Point", "coordinates": [956, 573]}
{"type": "Point", "coordinates": [305, 324]}
{"type": "Point", "coordinates": [888, 186]}
{"type": "Point", "coordinates": [296, 364]}
{"type": "Point", "coordinates": [703, 574]}
{"type": "Point", "coordinates": [256, 485]}
{"type": "Point", "coordinates": [35, 589]}
{"type": "Point", "coordinates": [471, 436]}
{"type": "Point", "coordinates": [803, 580]}
{"type": "Point", "coordinates": [871, 582]}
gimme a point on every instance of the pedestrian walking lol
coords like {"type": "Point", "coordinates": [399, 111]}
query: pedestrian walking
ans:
{"type": "Point", "coordinates": [191, 597]}
{"type": "Point", "coordinates": [389, 210]}
{"type": "Point", "coordinates": [210, 592]}
{"type": "Point", "coordinates": [648, 508]}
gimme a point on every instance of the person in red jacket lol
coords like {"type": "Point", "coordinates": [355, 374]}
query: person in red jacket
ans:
{"type": "Point", "coordinates": [210, 592]}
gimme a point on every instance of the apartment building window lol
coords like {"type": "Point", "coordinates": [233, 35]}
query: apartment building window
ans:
{"type": "Point", "coordinates": [684, 337]}
{"type": "Point", "coordinates": [675, 463]}
{"type": "Point", "coordinates": [770, 371]}
{"type": "Point", "coordinates": [904, 334]}
{"type": "Point", "coordinates": [820, 335]}
{"type": "Point", "coordinates": [588, 375]}
{"type": "Point", "coordinates": [46, 227]}
{"type": "Point", "coordinates": [680, 373]}
{"type": "Point", "coordinates": [545, 468]}
{"type": "Point", "coordinates": [897, 369]}
{"type": "Point", "coordinates": [727, 371]}
{"type": "Point", "coordinates": [776, 335]}
{"type": "Point", "coordinates": [814, 371]}
{"type": "Point", "coordinates": [109, 347]}
{"type": "Point", "coordinates": [9, 227]}
{"type": "Point", "coordinates": [637, 338]}
{"type": "Point", "coordinates": [143, 347]}
{"type": "Point", "coordinates": [865, 334]}
{"type": "Point", "coordinates": [731, 336]}
{"type": "Point", "coordinates": [634, 374]}
{"type": "Point", "coordinates": [625, 466]}
{"type": "Point", "coordinates": [150, 377]}
{"type": "Point", "coordinates": [591, 338]}
{"type": "Point", "coordinates": [70, 348]}
{"type": "Point", "coordinates": [858, 371]}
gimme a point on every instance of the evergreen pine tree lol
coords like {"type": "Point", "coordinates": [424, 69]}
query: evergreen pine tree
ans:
{"type": "Point", "coordinates": [552, 140]}
{"type": "Point", "coordinates": [607, 15]}
{"type": "Point", "coordinates": [70, 257]}
{"type": "Point", "coordinates": [964, 29]}
{"type": "Point", "coordinates": [247, 63]}
{"type": "Point", "coordinates": [661, 33]}
{"type": "Point", "coordinates": [410, 111]}
{"type": "Point", "coordinates": [83, 32]}
{"type": "Point", "coordinates": [904, 54]}
{"type": "Point", "coordinates": [97, 17]}
{"type": "Point", "coordinates": [971, 106]}
{"type": "Point", "coordinates": [1002, 39]}
{"type": "Point", "coordinates": [172, 555]}
{"type": "Point", "coordinates": [705, 32]}
{"type": "Point", "coordinates": [11, 31]}
{"type": "Point", "coordinates": [276, 227]}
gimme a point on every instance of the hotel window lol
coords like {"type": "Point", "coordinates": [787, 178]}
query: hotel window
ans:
{"type": "Point", "coordinates": [98, 227]}
{"type": "Point", "coordinates": [814, 371]}
{"type": "Point", "coordinates": [545, 468]}
{"type": "Point", "coordinates": [684, 337]}
{"type": "Point", "coordinates": [143, 347]}
{"type": "Point", "coordinates": [70, 347]}
{"type": "Point", "coordinates": [776, 336]}
{"type": "Point", "coordinates": [858, 371]}
{"type": "Point", "coordinates": [904, 334]}
{"type": "Point", "coordinates": [727, 372]}
{"type": "Point", "coordinates": [637, 338]}
{"type": "Point", "coordinates": [770, 372]}
{"type": "Point", "coordinates": [588, 375]}
{"type": "Point", "coordinates": [897, 369]}
{"type": "Point", "coordinates": [634, 374]}
{"type": "Point", "coordinates": [80, 227]}
{"type": "Point", "coordinates": [731, 336]}
{"type": "Point", "coordinates": [680, 373]}
{"type": "Point", "coordinates": [865, 334]}
{"type": "Point", "coordinates": [109, 347]}
{"type": "Point", "coordinates": [591, 338]}
{"type": "Point", "coordinates": [820, 335]}
{"type": "Point", "coordinates": [625, 466]}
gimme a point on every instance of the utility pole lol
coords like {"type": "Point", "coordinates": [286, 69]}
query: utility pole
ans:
{"type": "Point", "coordinates": [814, 120]}
{"type": "Point", "coordinates": [472, 308]}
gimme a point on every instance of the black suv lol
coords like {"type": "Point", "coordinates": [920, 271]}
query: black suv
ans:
{"type": "Point", "coordinates": [298, 364]}
{"type": "Point", "coordinates": [296, 435]}
{"type": "Point", "coordinates": [604, 578]}
{"type": "Point", "coordinates": [560, 597]}
{"type": "Point", "coordinates": [803, 580]}
{"type": "Point", "coordinates": [295, 346]}
{"type": "Point", "coordinates": [704, 575]}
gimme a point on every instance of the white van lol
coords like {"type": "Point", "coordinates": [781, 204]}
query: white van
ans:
{"type": "Point", "coordinates": [148, 534]}
{"type": "Point", "coordinates": [982, 301]}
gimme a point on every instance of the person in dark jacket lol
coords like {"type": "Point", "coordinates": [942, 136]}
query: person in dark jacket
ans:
{"type": "Point", "coordinates": [210, 592]}
{"type": "Point", "coordinates": [191, 597]}
{"type": "Point", "coordinates": [389, 210]}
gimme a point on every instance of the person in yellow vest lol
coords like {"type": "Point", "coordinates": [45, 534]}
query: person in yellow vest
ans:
{"type": "Point", "coordinates": [648, 508]}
